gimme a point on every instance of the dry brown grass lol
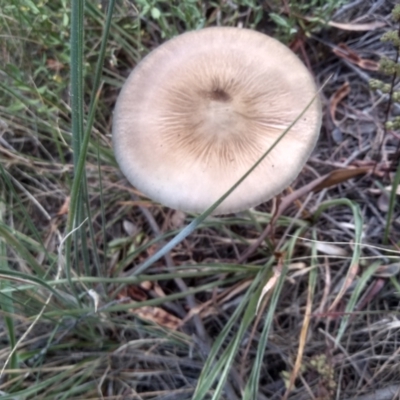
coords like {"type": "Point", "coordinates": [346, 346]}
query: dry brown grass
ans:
{"type": "Point", "coordinates": [328, 327]}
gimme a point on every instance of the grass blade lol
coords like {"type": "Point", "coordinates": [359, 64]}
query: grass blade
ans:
{"type": "Point", "coordinates": [6, 301]}
{"type": "Point", "coordinates": [358, 225]}
{"type": "Point", "coordinates": [392, 204]}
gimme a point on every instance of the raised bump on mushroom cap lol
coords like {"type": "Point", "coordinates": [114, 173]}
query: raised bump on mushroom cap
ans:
{"type": "Point", "coordinates": [202, 108]}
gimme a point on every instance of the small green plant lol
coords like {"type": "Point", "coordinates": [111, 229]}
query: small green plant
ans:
{"type": "Point", "coordinates": [304, 16]}
{"type": "Point", "coordinates": [390, 68]}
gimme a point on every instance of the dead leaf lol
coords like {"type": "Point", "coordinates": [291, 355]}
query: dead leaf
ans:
{"type": "Point", "coordinates": [158, 290]}
{"type": "Point", "coordinates": [371, 293]}
{"type": "Point", "coordinates": [137, 294]}
{"type": "Point", "coordinates": [158, 316]}
{"type": "Point", "coordinates": [343, 51]}
{"type": "Point", "coordinates": [369, 65]}
{"type": "Point", "coordinates": [339, 285]}
{"type": "Point", "coordinates": [270, 284]}
{"type": "Point", "coordinates": [327, 286]}
{"type": "Point", "coordinates": [351, 275]}
{"type": "Point", "coordinates": [134, 292]}
{"type": "Point", "coordinates": [389, 189]}
{"type": "Point", "coordinates": [146, 285]}
{"type": "Point", "coordinates": [297, 266]}
{"type": "Point", "coordinates": [54, 65]}
{"type": "Point", "coordinates": [339, 176]}
{"type": "Point", "coordinates": [130, 228]}
{"type": "Point", "coordinates": [384, 196]}
{"type": "Point", "coordinates": [65, 207]}
{"type": "Point", "coordinates": [383, 202]}
{"type": "Point", "coordinates": [387, 271]}
{"type": "Point", "coordinates": [300, 268]}
{"type": "Point", "coordinates": [336, 98]}
{"type": "Point", "coordinates": [95, 297]}
{"type": "Point", "coordinates": [177, 219]}
{"type": "Point", "coordinates": [353, 26]}
{"type": "Point", "coordinates": [328, 248]}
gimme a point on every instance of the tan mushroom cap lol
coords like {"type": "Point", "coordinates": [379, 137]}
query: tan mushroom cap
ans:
{"type": "Point", "coordinates": [201, 109]}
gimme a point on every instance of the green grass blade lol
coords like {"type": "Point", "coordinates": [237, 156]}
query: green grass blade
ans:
{"type": "Point", "coordinates": [9, 237]}
{"type": "Point", "coordinates": [6, 301]}
{"type": "Point", "coordinates": [251, 389]}
{"type": "Point", "coordinates": [355, 260]}
{"type": "Point", "coordinates": [362, 282]}
{"type": "Point", "coordinates": [214, 371]}
{"type": "Point", "coordinates": [76, 206]}
{"type": "Point", "coordinates": [25, 278]}
{"type": "Point", "coordinates": [26, 217]}
{"type": "Point", "coordinates": [392, 204]}
{"type": "Point", "coordinates": [77, 13]}
{"type": "Point", "coordinates": [81, 137]}
{"type": "Point", "coordinates": [91, 116]}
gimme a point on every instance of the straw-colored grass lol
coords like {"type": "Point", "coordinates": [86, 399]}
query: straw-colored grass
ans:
{"type": "Point", "coordinates": [106, 295]}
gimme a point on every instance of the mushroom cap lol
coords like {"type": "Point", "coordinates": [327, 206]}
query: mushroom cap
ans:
{"type": "Point", "coordinates": [196, 113]}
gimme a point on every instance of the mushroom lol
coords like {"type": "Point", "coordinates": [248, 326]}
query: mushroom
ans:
{"type": "Point", "coordinates": [196, 113]}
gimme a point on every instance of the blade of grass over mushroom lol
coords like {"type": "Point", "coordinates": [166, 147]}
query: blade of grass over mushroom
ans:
{"type": "Point", "coordinates": [185, 232]}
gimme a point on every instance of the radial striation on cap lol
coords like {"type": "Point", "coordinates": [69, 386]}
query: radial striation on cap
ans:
{"type": "Point", "coordinates": [201, 109]}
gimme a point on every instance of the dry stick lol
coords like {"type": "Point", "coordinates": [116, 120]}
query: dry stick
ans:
{"type": "Point", "coordinates": [205, 340]}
